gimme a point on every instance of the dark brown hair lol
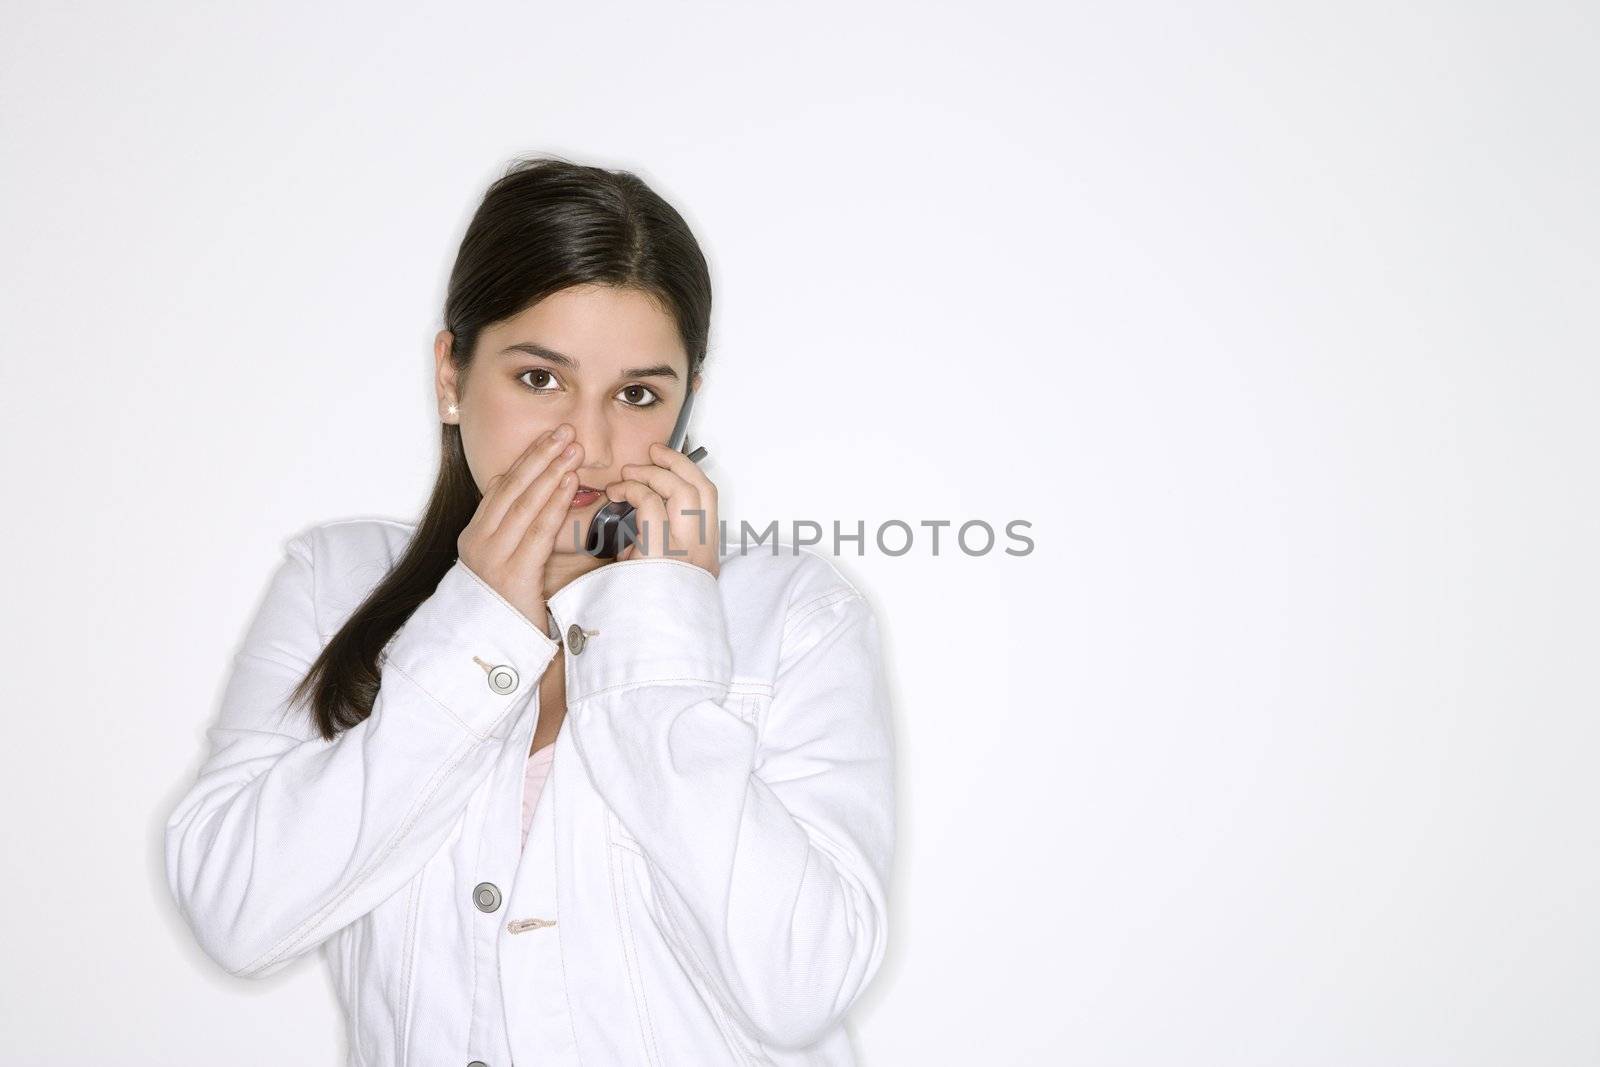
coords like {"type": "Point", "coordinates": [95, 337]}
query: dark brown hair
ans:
{"type": "Point", "coordinates": [547, 224]}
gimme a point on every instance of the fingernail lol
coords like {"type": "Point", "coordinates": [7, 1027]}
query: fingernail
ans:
{"type": "Point", "coordinates": [563, 432]}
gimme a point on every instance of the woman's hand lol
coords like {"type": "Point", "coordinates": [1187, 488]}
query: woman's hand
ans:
{"type": "Point", "coordinates": [509, 539]}
{"type": "Point", "coordinates": [676, 509]}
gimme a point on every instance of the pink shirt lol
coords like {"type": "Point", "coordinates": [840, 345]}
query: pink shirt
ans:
{"type": "Point", "coordinates": [533, 784]}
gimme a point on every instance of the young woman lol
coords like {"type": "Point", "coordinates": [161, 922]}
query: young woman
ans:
{"type": "Point", "coordinates": [534, 805]}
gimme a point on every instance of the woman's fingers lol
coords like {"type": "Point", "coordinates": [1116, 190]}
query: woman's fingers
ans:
{"type": "Point", "coordinates": [505, 489]}
{"type": "Point", "coordinates": [530, 502]}
{"type": "Point", "coordinates": [685, 468]}
{"type": "Point", "coordinates": [538, 542]}
{"type": "Point", "coordinates": [494, 544]}
{"type": "Point", "coordinates": [682, 500]}
{"type": "Point", "coordinates": [691, 510]}
{"type": "Point", "coordinates": [650, 514]}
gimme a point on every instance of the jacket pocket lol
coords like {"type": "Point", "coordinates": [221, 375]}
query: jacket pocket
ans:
{"type": "Point", "coordinates": [380, 967]}
{"type": "Point", "coordinates": [618, 836]}
{"type": "Point", "coordinates": [640, 916]}
{"type": "Point", "coordinates": [621, 852]}
{"type": "Point", "coordinates": [407, 967]}
{"type": "Point", "coordinates": [356, 975]}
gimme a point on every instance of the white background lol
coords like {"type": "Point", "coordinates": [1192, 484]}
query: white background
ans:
{"type": "Point", "coordinates": [1277, 322]}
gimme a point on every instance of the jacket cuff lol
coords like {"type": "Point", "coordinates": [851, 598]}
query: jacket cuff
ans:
{"type": "Point", "coordinates": [644, 621]}
{"type": "Point", "coordinates": [471, 651]}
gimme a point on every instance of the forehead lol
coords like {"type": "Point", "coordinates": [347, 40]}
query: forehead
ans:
{"type": "Point", "coordinates": [604, 329]}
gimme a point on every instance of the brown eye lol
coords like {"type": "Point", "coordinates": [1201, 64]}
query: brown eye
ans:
{"type": "Point", "coordinates": [536, 371]}
{"type": "Point", "coordinates": [630, 393]}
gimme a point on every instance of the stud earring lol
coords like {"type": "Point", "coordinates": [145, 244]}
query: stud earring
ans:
{"type": "Point", "coordinates": [453, 411]}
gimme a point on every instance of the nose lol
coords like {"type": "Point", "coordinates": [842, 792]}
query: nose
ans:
{"type": "Point", "coordinates": [592, 431]}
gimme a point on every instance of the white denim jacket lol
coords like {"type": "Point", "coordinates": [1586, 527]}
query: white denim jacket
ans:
{"type": "Point", "coordinates": [705, 879]}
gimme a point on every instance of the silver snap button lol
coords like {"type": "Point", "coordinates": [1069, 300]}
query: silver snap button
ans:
{"type": "Point", "coordinates": [477, 1063]}
{"type": "Point", "coordinates": [575, 639]}
{"type": "Point", "coordinates": [486, 895]}
{"type": "Point", "coordinates": [503, 679]}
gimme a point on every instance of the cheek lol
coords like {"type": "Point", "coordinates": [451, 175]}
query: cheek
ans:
{"type": "Point", "coordinates": [633, 446]}
{"type": "Point", "coordinates": [493, 445]}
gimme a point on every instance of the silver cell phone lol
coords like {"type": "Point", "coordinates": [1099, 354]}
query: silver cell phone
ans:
{"type": "Point", "coordinates": [615, 526]}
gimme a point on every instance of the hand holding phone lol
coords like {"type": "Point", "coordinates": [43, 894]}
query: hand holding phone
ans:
{"type": "Point", "coordinates": [615, 525]}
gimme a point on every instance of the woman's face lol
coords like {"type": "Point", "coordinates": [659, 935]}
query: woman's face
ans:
{"type": "Point", "coordinates": [607, 361]}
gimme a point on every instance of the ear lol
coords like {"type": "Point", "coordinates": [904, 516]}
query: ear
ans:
{"type": "Point", "coordinates": [444, 376]}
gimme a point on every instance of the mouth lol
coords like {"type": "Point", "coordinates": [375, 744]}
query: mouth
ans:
{"type": "Point", "coordinates": [585, 495]}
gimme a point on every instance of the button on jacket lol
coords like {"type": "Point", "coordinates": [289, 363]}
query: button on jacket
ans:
{"type": "Point", "coordinates": [705, 877]}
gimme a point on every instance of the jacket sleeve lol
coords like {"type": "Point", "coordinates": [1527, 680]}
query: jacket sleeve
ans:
{"type": "Point", "coordinates": [285, 837]}
{"type": "Point", "coordinates": [769, 854]}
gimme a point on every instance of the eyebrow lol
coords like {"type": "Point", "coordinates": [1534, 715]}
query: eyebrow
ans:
{"type": "Point", "coordinates": [660, 370]}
